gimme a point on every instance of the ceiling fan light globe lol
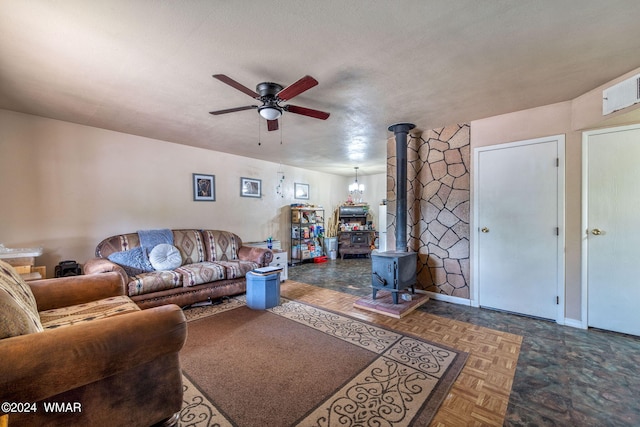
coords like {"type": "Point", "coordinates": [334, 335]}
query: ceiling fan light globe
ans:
{"type": "Point", "coordinates": [270, 113]}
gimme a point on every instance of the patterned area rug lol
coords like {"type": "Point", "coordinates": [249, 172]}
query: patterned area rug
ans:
{"type": "Point", "coordinates": [405, 380]}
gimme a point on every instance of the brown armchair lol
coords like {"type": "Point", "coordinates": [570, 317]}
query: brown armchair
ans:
{"type": "Point", "coordinates": [118, 368]}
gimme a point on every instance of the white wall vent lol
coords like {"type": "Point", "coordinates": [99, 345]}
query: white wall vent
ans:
{"type": "Point", "coordinates": [621, 95]}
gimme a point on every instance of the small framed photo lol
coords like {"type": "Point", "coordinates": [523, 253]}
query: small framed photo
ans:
{"type": "Point", "coordinates": [250, 187]}
{"type": "Point", "coordinates": [301, 191]}
{"type": "Point", "coordinates": [204, 188]}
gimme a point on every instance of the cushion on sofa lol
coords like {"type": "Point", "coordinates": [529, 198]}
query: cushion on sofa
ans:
{"type": "Point", "coordinates": [238, 269]}
{"type": "Point", "coordinates": [165, 257]}
{"type": "Point", "coordinates": [93, 310]}
{"type": "Point", "coordinates": [189, 243]}
{"type": "Point", "coordinates": [151, 238]}
{"type": "Point", "coordinates": [201, 272]}
{"type": "Point", "coordinates": [118, 243]}
{"type": "Point", "coordinates": [17, 305]}
{"type": "Point", "coordinates": [154, 281]}
{"type": "Point", "coordinates": [15, 319]}
{"type": "Point", "coordinates": [221, 245]}
{"type": "Point", "coordinates": [134, 261]}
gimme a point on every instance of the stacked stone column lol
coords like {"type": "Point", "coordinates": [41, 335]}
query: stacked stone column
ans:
{"type": "Point", "coordinates": [438, 200]}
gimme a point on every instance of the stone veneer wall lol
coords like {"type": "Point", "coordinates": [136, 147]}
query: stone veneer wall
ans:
{"type": "Point", "coordinates": [438, 200]}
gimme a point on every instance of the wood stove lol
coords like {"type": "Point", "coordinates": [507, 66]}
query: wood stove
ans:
{"type": "Point", "coordinates": [396, 270]}
{"type": "Point", "coordinates": [393, 271]}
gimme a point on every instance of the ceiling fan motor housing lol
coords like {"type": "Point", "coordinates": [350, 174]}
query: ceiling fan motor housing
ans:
{"type": "Point", "coordinates": [270, 109]}
{"type": "Point", "coordinates": [268, 89]}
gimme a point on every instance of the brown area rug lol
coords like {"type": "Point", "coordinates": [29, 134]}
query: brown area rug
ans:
{"type": "Point", "coordinates": [298, 365]}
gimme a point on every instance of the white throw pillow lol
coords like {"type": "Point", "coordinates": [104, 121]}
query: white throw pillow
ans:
{"type": "Point", "coordinates": [165, 257]}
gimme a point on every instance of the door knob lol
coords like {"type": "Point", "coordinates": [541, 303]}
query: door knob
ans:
{"type": "Point", "coordinates": [484, 229]}
{"type": "Point", "coordinates": [596, 232]}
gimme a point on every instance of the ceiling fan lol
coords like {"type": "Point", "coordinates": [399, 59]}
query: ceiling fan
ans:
{"type": "Point", "coordinates": [271, 95]}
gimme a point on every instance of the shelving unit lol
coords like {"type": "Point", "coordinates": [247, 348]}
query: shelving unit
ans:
{"type": "Point", "coordinates": [307, 227]}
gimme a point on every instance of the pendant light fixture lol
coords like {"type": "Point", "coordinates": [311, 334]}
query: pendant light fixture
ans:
{"type": "Point", "coordinates": [356, 190]}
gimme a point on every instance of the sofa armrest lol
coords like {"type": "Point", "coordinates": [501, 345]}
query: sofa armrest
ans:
{"type": "Point", "coordinates": [261, 256]}
{"type": "Point", "coordinates": [103, 265]}
{"type": "Point", "coordinates": [44, 364]}
{"type": "Point", "coordinates": [72, 290]}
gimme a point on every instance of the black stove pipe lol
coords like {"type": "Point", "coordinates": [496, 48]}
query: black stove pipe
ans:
{"type": "Point", "coordinates": [400, 131]}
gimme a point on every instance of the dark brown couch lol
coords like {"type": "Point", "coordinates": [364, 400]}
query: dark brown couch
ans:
{"type": "Point", "coordinates": [214, 265]}
{"type": "Point", "coordinates": [80, 342]}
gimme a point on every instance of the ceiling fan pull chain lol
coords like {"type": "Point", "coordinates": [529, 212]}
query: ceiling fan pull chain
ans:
{"type": "Point", "coordinates": [259, 142]}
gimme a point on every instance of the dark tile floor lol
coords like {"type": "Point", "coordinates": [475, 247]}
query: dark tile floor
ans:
{"type": "Point", "coordinates": [565, 376]}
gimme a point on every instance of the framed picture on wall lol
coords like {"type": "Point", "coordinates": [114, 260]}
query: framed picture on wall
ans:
{"type": "Point", "coordinates": [301, 191]}
{"type": "Point", "coordinates": [204, 188]}
{"type": "Point", "coordinates": [250, 187]}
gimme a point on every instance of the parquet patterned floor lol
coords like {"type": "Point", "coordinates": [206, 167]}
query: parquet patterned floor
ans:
{"type": "Point", "coordinates": [480, 395]}
{"type": "Point", "coordinates": [564, 377]}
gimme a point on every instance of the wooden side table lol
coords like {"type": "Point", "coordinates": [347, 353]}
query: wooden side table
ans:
{"type": "Point", "coordinates": [26, 268]}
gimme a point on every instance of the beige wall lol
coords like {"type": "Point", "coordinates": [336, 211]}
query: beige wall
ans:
{"type": "Point", "coordinates": [66, 187]}
{"type": "Point", "coordinates": [570, 119]}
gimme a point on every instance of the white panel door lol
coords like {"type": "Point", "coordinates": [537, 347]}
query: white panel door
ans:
{"type": "Point", "coordinates": [519, 204]}
{"type": "Point", "coordinates": [612, 233]}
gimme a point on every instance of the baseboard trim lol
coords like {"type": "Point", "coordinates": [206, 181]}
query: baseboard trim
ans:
{"type": "Point", "coordinates": [575, 323]}
{"type": "Point", "coordinates": [446, 298]}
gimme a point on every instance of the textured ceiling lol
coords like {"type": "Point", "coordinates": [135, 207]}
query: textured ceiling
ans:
{"type": "Point", "coordinates": [144, 67]}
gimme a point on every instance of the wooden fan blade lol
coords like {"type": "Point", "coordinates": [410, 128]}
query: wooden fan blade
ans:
{"type": "Point", "coordinates": [272, 124]}
{"type": "Point", "coordinates": [295, 89]}
{"type": "Point", "coordinates": [233, 110]}
{"type": "Point", "coordinates": [316, 114]}
{"type": "Point", "coordinates": [234, 84]}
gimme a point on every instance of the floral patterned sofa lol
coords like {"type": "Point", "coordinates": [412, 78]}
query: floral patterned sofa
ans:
{"type": "Point", "coordinates": [212, 264]}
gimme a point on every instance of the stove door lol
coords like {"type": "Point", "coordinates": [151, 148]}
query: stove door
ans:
{"type": "Point", "coordinates": [384, 272]}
